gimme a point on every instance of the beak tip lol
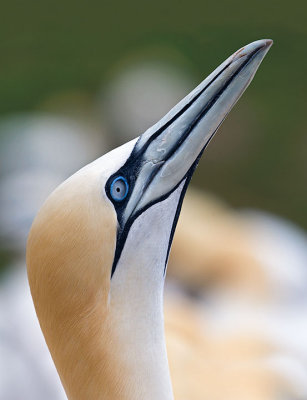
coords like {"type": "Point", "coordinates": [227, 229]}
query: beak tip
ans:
{"type": "Point", "coordinates": [267, 43]}
{"type": "Point", "coordinates": [259, 45]}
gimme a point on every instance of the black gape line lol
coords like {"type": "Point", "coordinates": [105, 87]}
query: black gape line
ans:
{"type": "Point", "coordinates": [130, 170]}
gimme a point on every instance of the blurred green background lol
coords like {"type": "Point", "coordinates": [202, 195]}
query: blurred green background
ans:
{"type": "Point", "coordinates": [259, 158]}
{"type": "Point", "coordinates": [65, 59]}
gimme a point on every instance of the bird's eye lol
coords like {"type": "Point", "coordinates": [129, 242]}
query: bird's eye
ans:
{"type": "Point", "coordinates": [119, 188]}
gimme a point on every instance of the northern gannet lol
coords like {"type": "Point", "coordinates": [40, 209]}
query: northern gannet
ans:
{"type": "Point", "coordinates": [98, 248]}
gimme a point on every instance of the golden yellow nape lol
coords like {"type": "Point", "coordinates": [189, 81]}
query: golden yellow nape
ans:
{"type": "Point", "coordinates": [98, 249]}
{"type": "Point", "coordinates": [69, 257]}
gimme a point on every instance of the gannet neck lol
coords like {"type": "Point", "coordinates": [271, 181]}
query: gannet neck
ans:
{"type": "Point", "coordinates": [106, 336]}
{"type": "Point", "coordinates": [136, 302]}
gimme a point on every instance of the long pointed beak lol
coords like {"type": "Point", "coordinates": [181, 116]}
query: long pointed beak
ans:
{"type": "Point", "coordinates": [169, 149]}
{"type": "Point", "coordinates": [167, 153]}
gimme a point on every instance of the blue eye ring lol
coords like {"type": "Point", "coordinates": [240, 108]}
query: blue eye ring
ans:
{"type": "Point", "coordinates": [114, 190]}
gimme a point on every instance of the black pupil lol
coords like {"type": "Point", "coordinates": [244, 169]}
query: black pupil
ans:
{"type": "Point", "coordinates": [118, 189]}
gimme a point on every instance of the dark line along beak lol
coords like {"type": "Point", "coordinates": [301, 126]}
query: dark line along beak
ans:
{"type": "Point", "coordinates": [168, 150]}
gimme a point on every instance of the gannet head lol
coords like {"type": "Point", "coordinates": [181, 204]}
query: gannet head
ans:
{"type": "Point", "coordinates": [98, 248]}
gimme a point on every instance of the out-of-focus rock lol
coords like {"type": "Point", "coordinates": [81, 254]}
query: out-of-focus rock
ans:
{"type": "Point", "coordinates": [139, 95]}
{"type": "Point", "coordinates": [47, 142]}
{"type": "Point", "coordinates": [38, 152]}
